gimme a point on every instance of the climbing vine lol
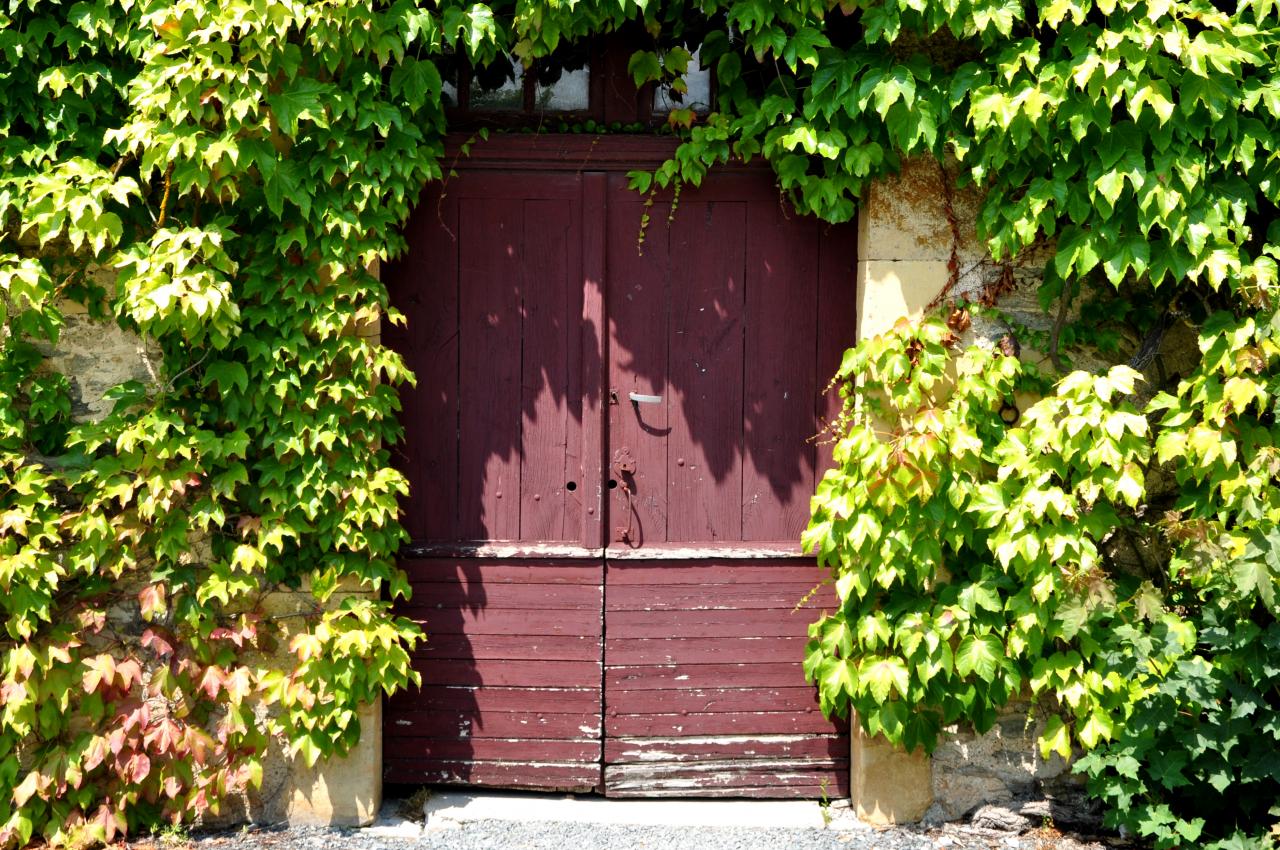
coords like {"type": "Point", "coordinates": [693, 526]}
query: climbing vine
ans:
{"type": "Point", "coordinates": [221, 180]}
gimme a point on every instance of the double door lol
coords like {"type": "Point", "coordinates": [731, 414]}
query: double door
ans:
{"type": "Point", "coordinates": [610, 450]}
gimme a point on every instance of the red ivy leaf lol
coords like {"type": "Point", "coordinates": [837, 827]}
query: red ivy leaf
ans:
{"type": "Point", "coordinates": [164, 737]}
{"type": "Point", "coordinates": [238, 685]}
{"type": "Point", "coordinates": [138, 768]}
{"type": "Point", "coordinates": [212, 680]}
{"type": "Point", "coordinates": [152, 601]}
{"type": "Point", "coordinates": [109, 821]}
{"type": "Point", "coordinates": [133, 714]}
{"type": "Point", "coordinates": [94, 753]}
{"type": "Point", "coordinates": [93, 619]}
{"type": "Point", "coordinates": [128, 672]}
{"type": "Point", "coordinates": [158, 642]}
{"type": "Point", "coordinates": [198, 744]}
{"type": "Point", "coordinates": [101, 672]}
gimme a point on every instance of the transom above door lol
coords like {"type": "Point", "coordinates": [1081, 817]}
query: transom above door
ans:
{"type": "Point", "coordinates": [611, 448]}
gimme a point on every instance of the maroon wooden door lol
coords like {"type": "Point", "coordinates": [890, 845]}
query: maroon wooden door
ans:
{"type": "Point", "coordinates": [722, 336]}
{"type": "Point", "coordinates": [503, 457]}
{"type": "Point", "coordinates": [611, 459]}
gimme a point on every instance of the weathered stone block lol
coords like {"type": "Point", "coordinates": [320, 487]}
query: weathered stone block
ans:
{"type": "Point", "coordinates": [890, 785]}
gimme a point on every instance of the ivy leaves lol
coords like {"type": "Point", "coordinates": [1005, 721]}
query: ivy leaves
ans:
{"type": "Point", "coordinates": [217, 178]}
{"type": "Point", "coordinates": [964, 548]}
{"type": "Point", "coordinates": [974, 560]}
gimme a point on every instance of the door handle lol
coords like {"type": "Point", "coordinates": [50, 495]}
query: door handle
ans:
{"type": "Point", "coordinates": [640, 398]}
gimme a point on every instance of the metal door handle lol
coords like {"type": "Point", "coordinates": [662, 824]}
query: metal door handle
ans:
{"type": "Point", "coordinates": [640, 398]}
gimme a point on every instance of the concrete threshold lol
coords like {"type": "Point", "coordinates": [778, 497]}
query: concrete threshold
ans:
{"type": "Point", "coordinates": [449, 809]}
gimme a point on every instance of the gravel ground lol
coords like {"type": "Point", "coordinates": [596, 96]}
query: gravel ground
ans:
{"type": "Point", "coordinates": [507, 835]}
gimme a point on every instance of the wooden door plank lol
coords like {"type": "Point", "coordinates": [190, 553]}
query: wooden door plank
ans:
{"type": "Point", "coordinates": [527, 647]}
{"type": "Point", "coordinates": [635, 652]}
{"type": "Point", "coordinates": [705, 339]}
{"type": "Point", "coordinates": [503, 706]}
{"type": "Point", "coordinates": [781, 334]}
{"type": "Point", "coordinates": [576, 776]}
{"type": "Point", "coordinates": [716, 701]}
{"type": "Point", "coordinates": [707, 624]}
{"type": "Point", "coordinates": [595, 371]}
{"type": "Point", "coordinates": [495, 749]}
{"type": "Point", "coordinates": [510, 622]}
{"type": "Point", "coordinates": [424, 286]}
{"type": "Point", "coordinates": [493, 724]}
{"type": "Point", "coordinates": [837, 324]}
{"type": "Point", "coordinates": [741, 723]}
{"type": "Point", "coordinates": [692, 748]}
{"type": "Point", "coordinates": [549, 374]}
{"type": "Point", "coordinates": [715, 571]}
{"type": "Point", "coordinates": [535, 597]}
{"type": "Point", "coordinates": [750, 779]}
{"type": "Point", "coordinates": [547, 674]}
{"type": "Point", "coordinates": [671, 676]}
{"type": "Point", "coordinates": [491, 291]}
{"type": "Point", "coordinates": [490, 571]}
{"type": "Point", "coordinates": [783, 596]}
{"type": "Point", "coordinates": [638, 322]}
{"type": "Point", "coordinates": [720, 707]}
{"type": "Point", "coordinates": [493, 698]}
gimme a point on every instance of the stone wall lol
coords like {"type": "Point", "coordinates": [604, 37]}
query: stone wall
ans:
{"type": "Point", "coordinates": [917, 239]}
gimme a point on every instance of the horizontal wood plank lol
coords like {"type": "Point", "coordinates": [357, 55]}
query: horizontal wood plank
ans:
{"type": "Point", "coordinates": [497, 749]}
{"type": "Point", "coordinates": [714, 701]}
{"type": "Point", "coordinates": [496, 774]}
{"type": "Point", "coordinates": [507, 673]}
{"type": "Point", "coordinates": [749, 778]}
{"type": "Point", "coordinates": [511, 647]}
{"type": "Point", "coordinates": [509, 621]}
{"type": "Point", "coordinates": [484, 596]}
{"type": "Point", "coordinates": [745, 723]}
{"type": "Point", "coordinates": [738, 675]}
{"type": "Point", "coordinates": [494, 724]}
{"type": "Point", "coordinates": [503, 571]}
{"type": "Point", "coordinates": [717, 572]}
{"type": "Point", "coordinates": [641, 651]}
{"type": "Point", "coordinates": [783, 596]}
{"type": "Point", "coordinates": [709, 624]}
{"type": "Point", "coordinates": [489, 698]}
{"type": "Point", "coordinates": [652, 791]}
{"type": "Point", "coordinates": [694, 748]}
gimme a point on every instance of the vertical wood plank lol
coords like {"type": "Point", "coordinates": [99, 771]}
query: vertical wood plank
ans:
{"type": "Point", "coordinates": [704, 449]}
{"type": "Point", "coordinates": [550, 230]}
{"type": "Point", "coordinates": [491, 290]}
{"type": "Point", "coordinates": [637, 299]}
{"type": "Point", "coordinates": [837, 322]}
{"type": "Point", "coordinates": [781, 324]}
{"type": "Point", "coordinates": [593, 360]}
{"type": "Point", "coordinates": [424, 286]}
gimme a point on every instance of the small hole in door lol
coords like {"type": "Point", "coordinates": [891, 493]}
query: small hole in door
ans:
{"type": "Point", "coordinates": [571, 486]}
{"type": "Point", "coordinates": [613, 484]}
